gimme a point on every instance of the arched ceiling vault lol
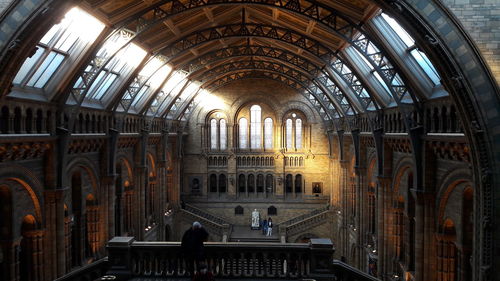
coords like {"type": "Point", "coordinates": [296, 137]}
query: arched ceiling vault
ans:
{"type": "Point", "coordinates": [301, 42]}
{"type": "Point", "coordinates": [177, 30]}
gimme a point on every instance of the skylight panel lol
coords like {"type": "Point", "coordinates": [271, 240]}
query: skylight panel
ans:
{"type": "Point", "coordinates": [173, 81]}
{"type": "Point", "coordinates": [68, 37]}
{"type": "Point", "coordinates": [405, 37]}
{"type": "Point", "coordinates": [426, 65]}
{"type": "Point", "coordinates": [45, 70]}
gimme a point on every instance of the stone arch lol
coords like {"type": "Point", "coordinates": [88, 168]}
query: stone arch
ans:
{"type": "Point", "coordinates": [238, 210]}
{"type": "Point", "coordinates": [310, 115]}
{"type": "Point", "coordinates": [28, 189]}
{"type": "Point", "coordinates": [305, 237]}
{"type": "Point", "coordinates": [123, 159]}
{"type": "Point", "coordinates": [87, 165]}
{"type": "Point", "coordinates": [151, 164]}
{"type": "Point", "coordinates": [6, 209]}
{"type": "Point", "coordinates": [402, 167]}
{"type": "Point", "coordinates": [28, 180]}
{"type": "Point", "coordinates": [372, 165]}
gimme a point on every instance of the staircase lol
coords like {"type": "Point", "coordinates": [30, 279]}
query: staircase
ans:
{"type": "Point", "coordinates": [304, 222]}
{"type": "Point", "coordinates": [212, 223]}
{"type": "Point", "coordinates": [243, 233]}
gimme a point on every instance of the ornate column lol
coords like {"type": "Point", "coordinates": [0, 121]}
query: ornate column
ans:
{"type": "Point", "coordinates": [108, 207]}
{"type": "Point", "coordinates": [424, 236]}
{"type": "Point", "coordinates": [55, 225]}
{"type": "Point", "coordinates": [344, 164]}
{"type": "Point", "coordinates": [384, 226]}
{"type": "Point", "coordinates": [361, 213]}
{"type": "Point", "coordinates": [138, 208]}
{"type": "Point", "coordinates": [32, 246]}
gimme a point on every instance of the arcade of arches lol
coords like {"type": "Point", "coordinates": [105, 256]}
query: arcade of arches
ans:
{"type": "Point", "coordinates": [131, 118]}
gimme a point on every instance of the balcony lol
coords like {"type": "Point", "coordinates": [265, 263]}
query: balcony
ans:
{"type": "Point", "coordinates": [138, 260]}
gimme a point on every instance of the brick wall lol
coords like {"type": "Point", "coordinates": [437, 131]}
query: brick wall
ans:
{"type": "Point", "coordinates": [481, 19]}
{"type": "Point", "coordinates": [4, 4]}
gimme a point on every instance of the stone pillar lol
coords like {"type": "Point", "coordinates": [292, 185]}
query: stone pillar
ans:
{"type": "Point", "coordinates": [138, 207]}
{"type": "Point", "coordinates": [384, 227]}
{"type": "Point", "coordinates": [66, 245]}
{"type": "Point", "coordinates": [120, 257]}
{"type": "Point", "coordinates": [425, 247]}
{"type": "Point", "coordinates": [108, 207]}
{"type": "Point", "coordinates": [321, 255]}
{"type": "Point", "coordinates": [32, 244]}
{"type": "Point", "coordinates": [344, 250]}
{"type": "Point", "coordinates": [9, 270]}
{"type": "Point", "coordinates": [361, 214]}
{"type": "Point", "coordinates": [54, 249]}
{"type": "Point", "coordinates": [162, 199]}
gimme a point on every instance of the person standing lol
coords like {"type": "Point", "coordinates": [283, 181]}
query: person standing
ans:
{"type": "Point", "coordinates": [192, 246]}
{"type": "Point", "coordinates": [264, 227]}
{"type": "Point", "coordinates": [269, 227]}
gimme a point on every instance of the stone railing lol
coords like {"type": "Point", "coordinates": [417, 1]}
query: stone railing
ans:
{"type": "Point", "coordinates": [129, 258]}
{"type": "Point", "coordinates": [305, 216]}
{"type": "Point", "coordinates": [90, 271]}
{"type": "Point", "coordinates": [305, 224]}
{"type": "Point", "coordinates": [281, 261]}
{"type": "Point", "coordinates": [204, 214]}
{"type": "Point", "coordinates": [212, 223]}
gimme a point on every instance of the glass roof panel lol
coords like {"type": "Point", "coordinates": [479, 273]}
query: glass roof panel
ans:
{"type": "Point", "coordinates": [407, 39]}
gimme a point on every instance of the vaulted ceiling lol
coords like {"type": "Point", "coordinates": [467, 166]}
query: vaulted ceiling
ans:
{"type": "Point", "coordinates": [321, 48]}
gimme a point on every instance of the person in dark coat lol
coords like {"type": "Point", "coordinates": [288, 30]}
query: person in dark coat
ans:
{"type": "Point", "coordinates": [192, 246]}
{"type": "Point", "coordinates": [264, 227]}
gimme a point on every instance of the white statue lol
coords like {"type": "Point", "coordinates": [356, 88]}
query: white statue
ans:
{"type": "Point", "coordinates": [255, 219]}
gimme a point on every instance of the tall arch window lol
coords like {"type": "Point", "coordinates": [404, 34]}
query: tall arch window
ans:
{"type": "Point", "coordinates": [289, 133]}
{"type": "Point", "coordinates": [213, 134]}
{"type": "Point", "coordinates": [268, 133]}
{"type": "Point", "coordinates": [218, 133]}
{"type": "Point", "coordinates": [223, 134]}
{"type": "Point", "coordinates": [213, 183]}
{"type": "Point", "coordinates": [298, 133]}
{"type": "Point", "coordinates": [243, 133]}
{"type": "Point", "coordinates": [222, 183]}
{"type": "Point", "coordinates": [293, 131]}
{"type": "Point", "coordinates": [255, 126]}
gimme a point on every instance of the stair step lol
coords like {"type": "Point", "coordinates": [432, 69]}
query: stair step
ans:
{"type": "Point", "coordinates": [253, 239]}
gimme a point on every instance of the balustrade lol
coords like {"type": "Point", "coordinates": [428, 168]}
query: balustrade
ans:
{"type": "Point", "coordinates": [270, 260]}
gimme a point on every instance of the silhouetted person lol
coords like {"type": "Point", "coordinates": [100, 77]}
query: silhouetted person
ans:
{"type": "Point", "coordinates": [192, 246]}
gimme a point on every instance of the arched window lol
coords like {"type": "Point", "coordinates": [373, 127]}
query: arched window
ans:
{"type": "Point", "coordinates": [268, 133]}
{"type": "Point", "coordinates": [272, 211]}
{"type": "Point", "coordinates": [243, 133]}
{"type": "Point", "coordinates": [298, 184]}
{"type": "Point", "coordinates": [269, 183]}
{"type": "Point", "coordinates": [293, 132]}
{"type": "Point", "coordinates": [241, 183]}
{"type": "Point", "coordinates": [255, 127]}
{"type": "Point", "coordinates": [222, 183]}
{"type": "Point", "coordinates": [213, 183]}
{"type": "Point", "coordinates": [260, 183]}
{"type": "Point", "coordinates": [223, 134]}
{"type": "Point", "coordinates": [298, 133]}
{"type": "Point", "coordinates": [289, 134]}
{"type": "Point", "coordinates": [251, 183]}
{"type": "Point", "coordinates": [288, 183]}
{"type": "Point", "coordinates": [213, 134]}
